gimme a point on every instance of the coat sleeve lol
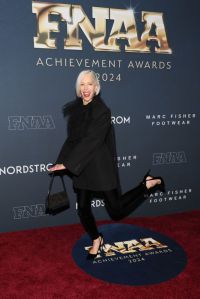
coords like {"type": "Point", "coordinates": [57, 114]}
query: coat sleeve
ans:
{"type": "Point", "coordinates": [63, 152]}
{"type": "Point", "coordinates": [84, 150]}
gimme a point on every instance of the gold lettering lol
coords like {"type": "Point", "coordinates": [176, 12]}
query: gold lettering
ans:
{"type": "Point", "coordinates": [75, 18]}
{"type": "Point", "coordinates": [120, 17]}
{"type": "Point", "coordinates": [151, 243]}
{"type": "Point", "coordinates": [95, 36]}
{"type": "Point", "coordinates": [44, 27]}
{"type": "Point", "coordinates": [130, 246]}
{"type": "Point", "coordinates": [154, 21]}
{"type": "Point", "coordinates": [134, 246]}
{"type": "Point", "coordinates": [118, 247]}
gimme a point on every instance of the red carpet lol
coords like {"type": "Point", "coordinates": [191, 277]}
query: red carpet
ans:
{"type": "Point", "coordinates": [38, 264]}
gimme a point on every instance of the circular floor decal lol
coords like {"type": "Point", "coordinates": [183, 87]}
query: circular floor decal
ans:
{"type": "Point", "coordinates": [132, 255]}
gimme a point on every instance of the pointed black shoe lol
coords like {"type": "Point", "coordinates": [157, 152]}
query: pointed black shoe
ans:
{"type": "Point", "coordinates": [91, 256]}
{"type": "Point", "coordinates": [160, 186]}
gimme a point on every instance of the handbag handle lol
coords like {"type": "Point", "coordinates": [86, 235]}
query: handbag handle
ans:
{"type": "Point", "coordinates": [51, 183]}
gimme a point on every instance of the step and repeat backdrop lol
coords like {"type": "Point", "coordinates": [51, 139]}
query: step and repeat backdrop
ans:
{"type": "Point", "coordinates": [145, 54]}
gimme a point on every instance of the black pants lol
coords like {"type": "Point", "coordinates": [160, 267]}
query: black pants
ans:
{"type": "Point", "coordinates": [118, 206]}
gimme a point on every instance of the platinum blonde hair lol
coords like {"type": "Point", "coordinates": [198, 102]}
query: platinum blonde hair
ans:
{"type": "Point", "coordinates": [94, 78]}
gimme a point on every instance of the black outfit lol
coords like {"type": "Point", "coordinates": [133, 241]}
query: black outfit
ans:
{"type": "Point", "coordinates": [88, 153]}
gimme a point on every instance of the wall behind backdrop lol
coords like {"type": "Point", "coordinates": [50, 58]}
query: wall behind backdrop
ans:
{"type": "Point", "coordinates": [146, 56]}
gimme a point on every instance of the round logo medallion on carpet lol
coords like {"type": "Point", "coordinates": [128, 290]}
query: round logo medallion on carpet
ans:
{"type": "Point", "coordinates": [131, 255]}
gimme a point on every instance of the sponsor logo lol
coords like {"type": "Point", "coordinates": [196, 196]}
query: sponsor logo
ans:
{"type": "Point", "coordinates": [31, 122]}
{"type": "Point", "coordinates": [120, 120]}
{"type": "Point", "coordinates": [124, 27]}
{"type": "Point", "coordinates": [32, 211]}
{"type": "Point", "coordinates": [24, 169]}
{"type": "Point", "coordinates": [170, 196]}
{"type": "Point", "coordinates": [125, 160]}
{"type": "Point", "coordinates": [173, 119]}
{"type": "Point", "coordinates": [169, 158]}
{"type": "Point", "coordinates": [96, 203]}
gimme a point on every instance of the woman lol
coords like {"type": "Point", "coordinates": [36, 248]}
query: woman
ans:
{"type": "Point", "coordinates": [88, 154]}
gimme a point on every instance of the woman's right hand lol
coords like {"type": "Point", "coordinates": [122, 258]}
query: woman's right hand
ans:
{"type": "Point", "coordinates": [57, 167]}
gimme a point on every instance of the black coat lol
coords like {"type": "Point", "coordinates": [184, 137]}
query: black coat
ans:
{"type": "Point", "coordinates": [88, 153]}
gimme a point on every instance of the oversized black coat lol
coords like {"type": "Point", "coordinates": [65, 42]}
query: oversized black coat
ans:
{"type": "Point", "coordinates": [88, 153]}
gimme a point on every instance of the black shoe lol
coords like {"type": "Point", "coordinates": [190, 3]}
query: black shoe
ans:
{"type": "Point", "coordinates": [91, 256]}
{"type": "Point", "coordinates": [160, 186]}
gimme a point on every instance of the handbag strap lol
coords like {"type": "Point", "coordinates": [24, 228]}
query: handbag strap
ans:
{"type": "Point", "coordinates": [51, 183]}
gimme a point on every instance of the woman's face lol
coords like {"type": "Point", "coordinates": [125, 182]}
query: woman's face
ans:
{"type": "Point", "coordinates": [87, 88]}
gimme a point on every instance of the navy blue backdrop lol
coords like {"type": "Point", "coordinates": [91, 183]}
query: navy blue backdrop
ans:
{"type": "Point", "coordinates": [151, 86]}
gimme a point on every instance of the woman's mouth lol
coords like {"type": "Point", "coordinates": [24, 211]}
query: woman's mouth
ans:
{"type": "Point", "coordinates": [86, 94]}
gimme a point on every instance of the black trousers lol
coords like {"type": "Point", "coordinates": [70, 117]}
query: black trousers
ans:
{"type": "Point", "coordinates": [118, 206]}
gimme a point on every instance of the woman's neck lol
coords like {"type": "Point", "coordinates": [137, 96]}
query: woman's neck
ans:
{"type": "Point", "coordinates": [86, 102]}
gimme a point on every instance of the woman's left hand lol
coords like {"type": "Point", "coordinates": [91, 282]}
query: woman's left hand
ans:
{"type": "Point", "coordinates": [57, 167]}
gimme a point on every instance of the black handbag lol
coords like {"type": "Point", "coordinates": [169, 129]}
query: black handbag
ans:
{"type": "Point", "coordinates": [56, 202]}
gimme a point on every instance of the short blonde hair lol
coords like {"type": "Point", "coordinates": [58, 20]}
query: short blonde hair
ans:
{"type": "Point", "coordinates": [94, 77]}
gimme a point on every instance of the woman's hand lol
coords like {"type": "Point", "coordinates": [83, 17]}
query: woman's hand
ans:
{"type": "Point", "coordinates": [57, 167]}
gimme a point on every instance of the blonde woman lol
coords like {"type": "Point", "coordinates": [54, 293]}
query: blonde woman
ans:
{"type": "Point", "coordinates": [88, 154]}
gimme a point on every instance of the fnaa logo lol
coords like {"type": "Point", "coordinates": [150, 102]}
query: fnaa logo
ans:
{"type": "Point", "coordinates": [128, 247]}
{"type": "Point", "coordinates": [31, 122]}
{"type": "Point", "coordinates": [131, 255]}
{"type": "Point", "coordinates": [101, 38]}
{"type": "Point", "coordinates": [33, 211]}
{"type": "Point", "coordinates": [169, 158]}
